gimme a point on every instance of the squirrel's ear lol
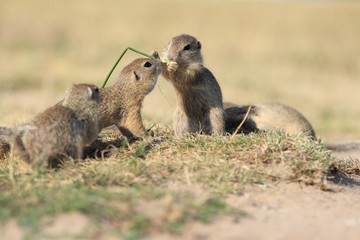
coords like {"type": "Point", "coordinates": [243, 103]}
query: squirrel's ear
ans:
{"type": "Point", "coordinates": [93, 92]}
{"type": "Point", "coordinates": [155, 54]}
{"type": "Point", "coordinates": [67, 92]}
{"type": "Point", "coordinates": [199, 45]}
{"type": "Point", "coordinates": [137, 77]}
{"type": "Point", "coordinates": [90, 92]}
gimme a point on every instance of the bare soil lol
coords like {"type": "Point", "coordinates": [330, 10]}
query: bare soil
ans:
{"type": "Point", "coordinates": [289, 211]}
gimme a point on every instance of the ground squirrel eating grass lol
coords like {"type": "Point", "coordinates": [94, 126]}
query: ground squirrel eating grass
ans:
{"type": "Point", "coordinates": [199, 98]}
{"type": "Point", "coordinates": [267, 117]}
{"type": "Point", "coordinates": [60, 131]}
{"type": "Point", "coordinates": [121, 103]}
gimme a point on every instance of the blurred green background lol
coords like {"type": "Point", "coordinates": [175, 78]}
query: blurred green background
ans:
{"type": "Point", "coordinates": [302, 53]}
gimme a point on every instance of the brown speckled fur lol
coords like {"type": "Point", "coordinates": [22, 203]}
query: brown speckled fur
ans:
{"type": "Point", "coordinates": [121, 103]}
{"type": "Point", "coordinates": [267, 117]}
{"type": "Point", "coordinates": [199, 98]}
{"type": "Point", "coordinates": [62, 130]}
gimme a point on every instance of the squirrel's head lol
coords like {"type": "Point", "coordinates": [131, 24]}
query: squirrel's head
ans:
{"type": "Point", "coordinates": [82, 93]}
{"type": "Point", "coordinates": [140, 76]}
{"type": "Point", "coordinates": [184, 50]}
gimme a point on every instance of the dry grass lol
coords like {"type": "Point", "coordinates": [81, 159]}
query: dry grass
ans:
{"type": "Point", "coordinates": [350, 166]}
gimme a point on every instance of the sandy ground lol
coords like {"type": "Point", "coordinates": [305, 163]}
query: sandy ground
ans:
{"type": "Point", "coordinates": [290, 212]}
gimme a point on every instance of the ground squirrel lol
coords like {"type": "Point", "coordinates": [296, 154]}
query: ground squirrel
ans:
{"type": "Point", "coordinates": [199, 98]}
{"type": "Point", "coordinates": [267, 117]}
{"type": "Point", "coordinates": [60, 131]}
{"type": "Point", "coordinates": [121, 103]}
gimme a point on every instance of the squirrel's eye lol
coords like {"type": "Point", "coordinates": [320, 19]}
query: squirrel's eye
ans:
{"type": "Point", "coordinates": [96, 90]}
{"type": "Point", "coordinates": [147, 64]}
{"type": "Point", "coordinates": [187, 47]}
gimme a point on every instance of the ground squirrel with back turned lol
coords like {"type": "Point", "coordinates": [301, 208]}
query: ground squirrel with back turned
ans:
{"type": "Point", "coordinates": [199, 98]}
{"type": "Point", "coordinates": [60, 131]}
{"type": "Point", "coordinates": [267, 117]}
{"type": "Point", "coordinates": [121, 103]}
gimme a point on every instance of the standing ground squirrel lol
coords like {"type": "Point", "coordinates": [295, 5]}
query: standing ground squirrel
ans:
{"type": "Point", "coordinates": [121, 103]}
{"type": "Point", "coordinates": [199, 98]}
{"type": "Point", "coordinates": [267, 117]}
{"type": "Point", "coordinates": [60, 131]}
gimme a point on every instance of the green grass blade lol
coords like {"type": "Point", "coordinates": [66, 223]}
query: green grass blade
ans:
{"type": "Point", "coordinates": [117, 62]}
